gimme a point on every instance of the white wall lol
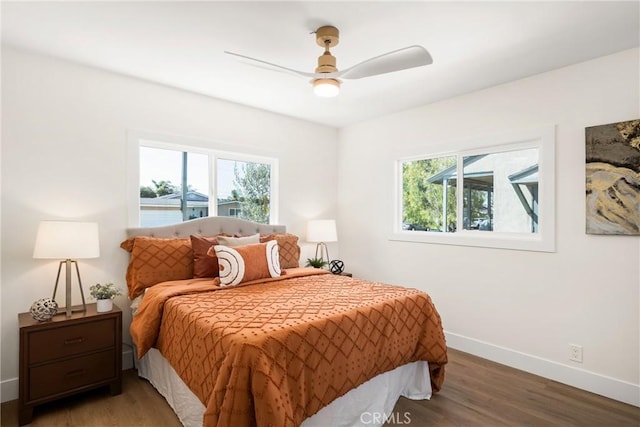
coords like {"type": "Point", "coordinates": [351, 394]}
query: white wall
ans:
{"type": "Point", "coordinates": [64, 139]}
{"type": "Point", "coordinates": [519, 308]}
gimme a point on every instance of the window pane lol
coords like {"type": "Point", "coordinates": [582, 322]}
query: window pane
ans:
{"type": "Point", "coordinates": [429, 195]}
{"type": "Point", "coordinates": [501, 191]}
{"type": "Point", "coordinates": [161, 182]}
{"type": "Point", "coordinates": [244, 190]}
{"type": "Point", "coordinates": [197, 185]}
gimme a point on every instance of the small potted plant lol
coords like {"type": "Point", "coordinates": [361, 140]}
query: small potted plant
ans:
{"type": "Point", "coordinates": [316, 262]}
{"type": "Point", "coordinates": [105, 295]}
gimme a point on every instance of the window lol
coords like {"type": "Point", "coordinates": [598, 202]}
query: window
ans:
{"type": "Point", "coordinates": [429, 202]}
{"type": "Point", "coordinates": [504, 198]}
{"type": "Point", "coordinates": [179, 182]}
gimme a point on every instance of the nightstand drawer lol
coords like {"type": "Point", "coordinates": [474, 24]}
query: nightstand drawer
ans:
{"type": "Point", "coordinates": [70, 340]}
{"type": "Point", "coordinates": [58, 377]}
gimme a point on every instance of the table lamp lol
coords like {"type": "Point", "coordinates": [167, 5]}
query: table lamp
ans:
{"type": "Point", "coordinates": [321, 231]}
{"type": "Point", "coordinates": [67, 240]}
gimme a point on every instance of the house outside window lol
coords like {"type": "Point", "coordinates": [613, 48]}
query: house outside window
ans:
{"type": "Point", "coordinates": [234, 211]}
{"type": "Point", "coordinates": [167, 209]}
{"type": "Point", "coordinates": [492, 201]}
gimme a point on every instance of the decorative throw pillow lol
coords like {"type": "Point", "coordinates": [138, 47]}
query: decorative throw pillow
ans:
{"type": "Point", "coordinates": [288, 247]}
{"type": "Point", "coordinates": [249, 262]}
{"type": "Point", "coordinates": [238, 241]}
{"type": "Point", "coordinates": [154, 260]}
{"type": "Point", "coordinates": [203, 265]}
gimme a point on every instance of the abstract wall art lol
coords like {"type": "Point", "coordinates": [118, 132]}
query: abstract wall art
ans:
{"type": "Point", "coordinates": [613, 178]}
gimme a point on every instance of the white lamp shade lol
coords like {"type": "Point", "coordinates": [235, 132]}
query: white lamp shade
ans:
{"type": "Point", "coordinates": [67, 240]}
{"type": "Point", "coordinates": [322, 230]}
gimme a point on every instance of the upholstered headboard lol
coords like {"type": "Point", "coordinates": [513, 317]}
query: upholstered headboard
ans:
{"type": "Point", "coordinates": [207, 226]}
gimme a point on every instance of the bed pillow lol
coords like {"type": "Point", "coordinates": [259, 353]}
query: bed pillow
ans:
{"type": "Point", "coordinates": [288, 248]}
{"type": "Point", "coordinates": [238, 241]}
{"type": "Point", "coordinates": [154, 260]}
{"type": "Point", "coordinates": [249, 262]}
{"type": "Point", "coordinates": [203, 264]}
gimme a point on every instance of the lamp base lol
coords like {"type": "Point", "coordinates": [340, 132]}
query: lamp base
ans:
{"type": "Point", "coordinates": [68, 309]}
{"type": "Point", "coordinates": [322, 248]}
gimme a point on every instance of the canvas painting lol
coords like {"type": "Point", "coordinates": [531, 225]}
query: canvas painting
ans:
{"type": "Point", "coordinates": [613, 178]}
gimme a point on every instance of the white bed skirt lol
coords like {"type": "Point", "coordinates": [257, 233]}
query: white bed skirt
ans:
{"type": "Point", "coordinates": [362, 406]}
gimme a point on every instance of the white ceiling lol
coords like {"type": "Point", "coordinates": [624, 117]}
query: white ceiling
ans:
{"type": "Point", "coordinates": [474, 45]}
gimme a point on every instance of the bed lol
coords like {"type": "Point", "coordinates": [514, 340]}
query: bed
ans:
{"type": "Point", "coordinates": [293, 346]}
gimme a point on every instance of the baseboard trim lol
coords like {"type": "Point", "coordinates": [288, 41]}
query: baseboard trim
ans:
{"type": "Point", "coordinates": [127, 357]}
{"type": "Point", "coordinates": [585, 380]}
{"type": "Point", "coordinates": [9, 388]}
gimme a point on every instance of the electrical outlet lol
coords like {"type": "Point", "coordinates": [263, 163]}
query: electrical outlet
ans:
{"type": "Point", "coordinates": [575, 353]}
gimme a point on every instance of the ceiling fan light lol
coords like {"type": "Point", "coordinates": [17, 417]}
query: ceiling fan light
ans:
{"type": "Point", "coordinates": [326, 88]}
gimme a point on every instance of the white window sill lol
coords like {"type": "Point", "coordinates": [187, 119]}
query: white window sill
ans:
{"type": "Point", "coordinates": [483, 239]}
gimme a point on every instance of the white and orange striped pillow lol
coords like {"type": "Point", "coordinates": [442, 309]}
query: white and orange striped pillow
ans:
{"type": "Point", "coordinates": [249, 262]}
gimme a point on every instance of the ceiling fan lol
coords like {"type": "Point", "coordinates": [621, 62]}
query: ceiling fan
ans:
{"type": "Point", "coordinates": [326, 79]}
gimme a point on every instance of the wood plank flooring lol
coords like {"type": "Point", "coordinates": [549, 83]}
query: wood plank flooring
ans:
{"type": "Point", "coordinates": [476, 393]}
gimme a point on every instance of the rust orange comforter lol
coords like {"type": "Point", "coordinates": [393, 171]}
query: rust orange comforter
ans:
{"type": "Point", "coordinates": [274, 353]}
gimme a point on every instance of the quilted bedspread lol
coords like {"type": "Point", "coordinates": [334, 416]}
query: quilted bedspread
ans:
{"type": "Point", "coordinates": [276, 352]}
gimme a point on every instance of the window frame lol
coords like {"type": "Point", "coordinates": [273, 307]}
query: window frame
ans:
{"type": "Point", "coordinates": [542, 138]}
{"type": "Point", "coordinates": [214, 150]}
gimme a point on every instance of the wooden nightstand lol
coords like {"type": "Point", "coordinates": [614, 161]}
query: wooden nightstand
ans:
{"type": "Point", "coordinates": [68, 355]}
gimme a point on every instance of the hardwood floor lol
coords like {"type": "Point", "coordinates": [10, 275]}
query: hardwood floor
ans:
{"type": "Point", "coordinates": [138, 405]}
{"type": "Point", "coordinates": [476, 393]}
{"type": "Point", "coordinates": [481, 393]}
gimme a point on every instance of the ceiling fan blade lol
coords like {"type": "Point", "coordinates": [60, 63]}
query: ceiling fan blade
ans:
{"type": "Point", "coordinates": [268, 65]}
{"type": "Point", "coordinates": [401, 59]}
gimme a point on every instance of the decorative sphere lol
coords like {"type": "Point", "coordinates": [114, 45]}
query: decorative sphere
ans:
{"type": "Point", "coordinates": [44, 309]}
{"type": "Point", "coordinates": [336, 266]}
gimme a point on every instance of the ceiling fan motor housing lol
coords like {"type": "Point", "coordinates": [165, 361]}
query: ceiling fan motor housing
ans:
{"type": "Point", "coordinates": [326, 63]}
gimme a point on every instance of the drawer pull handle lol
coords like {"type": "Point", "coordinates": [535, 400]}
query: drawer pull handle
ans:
{"type": "Point", "coordinates": [74, 341]}
{"type": "Point", "coordinates": [76, 373]}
